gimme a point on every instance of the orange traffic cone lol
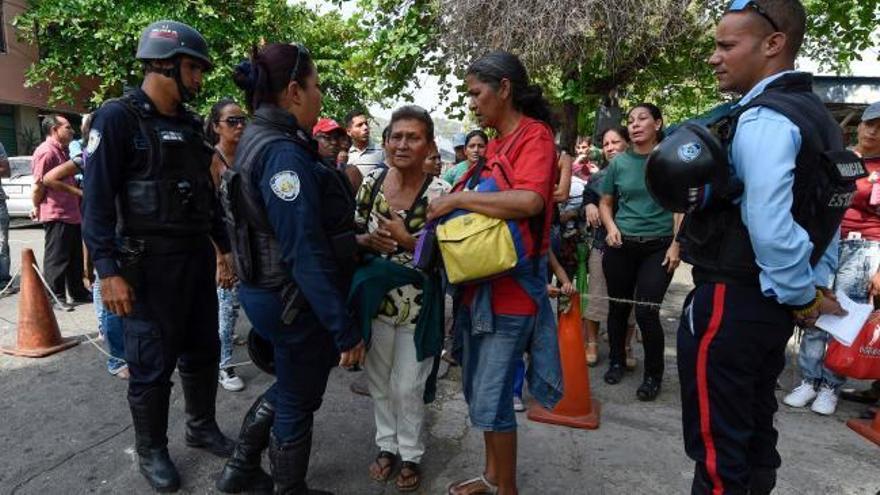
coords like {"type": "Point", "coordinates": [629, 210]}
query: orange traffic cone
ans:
{"type": "Point", "coordinates": [576, 409]}
{"type": "Point", "coordinates": [867, 428]}
{"type": "Point", "coordinates": [38, 333]}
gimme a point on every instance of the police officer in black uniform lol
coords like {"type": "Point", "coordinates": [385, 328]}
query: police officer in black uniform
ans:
{"type": "Point", "coordinates": [291, 218]}
{"type": "Point", "coordinates": [761, 233]}
{"type": "Point", "coordinates": [150, 215]}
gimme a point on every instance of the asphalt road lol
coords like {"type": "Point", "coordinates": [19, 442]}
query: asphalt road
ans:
{"type": "Point", "coordinates": [65, 428]}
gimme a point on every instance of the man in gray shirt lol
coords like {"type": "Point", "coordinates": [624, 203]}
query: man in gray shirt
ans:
{"type": "Point", "coordinates": [362, 153]}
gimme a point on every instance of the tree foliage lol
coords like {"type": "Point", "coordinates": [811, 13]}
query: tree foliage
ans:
{"type": "Point", "coordinates": [586, 51]}
{"type": "Point", "coordinates": [94, 42]}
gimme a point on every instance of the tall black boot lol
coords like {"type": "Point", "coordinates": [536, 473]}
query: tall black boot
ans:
{"type": "Point", "coordinates": [762, 481]}
{"type": "Point", "coordinates": [202, 432]}
{"type": "Point", "coordinates": [149, 414]}
{"type": "Point", "coordinates": [290, 462]}
{"type": "Point", "coordinates": [242, 472]}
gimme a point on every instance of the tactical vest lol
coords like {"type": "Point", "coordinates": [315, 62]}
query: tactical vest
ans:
{"type": "Point", "coordinates": [168, 190]}
{"type": "Point", "coordinates": [258, 256]}
{"type": "Point", "coordinates": [716, 241]}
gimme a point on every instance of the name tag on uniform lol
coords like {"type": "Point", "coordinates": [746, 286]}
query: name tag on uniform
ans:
{"type": "Point", "coordinates": [846, 165]}
{"type": "Point", "coordinates": [172, 137]}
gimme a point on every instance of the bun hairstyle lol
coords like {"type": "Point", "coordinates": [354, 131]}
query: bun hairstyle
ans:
{"type": "Point", "coordinates": [268, 72]}
{"type": "Point", "coordinates": [527, 98]}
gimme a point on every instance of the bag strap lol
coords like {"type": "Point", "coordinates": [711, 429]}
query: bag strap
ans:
{"type": "Point", "coordinates": [374, 191]}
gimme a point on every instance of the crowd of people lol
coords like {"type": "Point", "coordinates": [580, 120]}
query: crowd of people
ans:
{"type": "Point", "coordinates": [321, 237]}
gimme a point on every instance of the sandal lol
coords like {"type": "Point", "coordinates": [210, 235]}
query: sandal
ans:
{"type": "Point", "coordinates": [409, 482]}
{"type": "Point", "coordinates": [592, 353]}
{"type": "Point", "coordinates": [488, 488]}
{"type": "Point", "coordinates": [381, 471]}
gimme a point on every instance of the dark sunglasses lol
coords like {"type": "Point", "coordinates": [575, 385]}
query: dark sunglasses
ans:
{"type": "Point", "coordinates": [741, 5]}
{"type": "Point", "coordinates": [301, 54]}
{"type": "Point", "coordinates": [235, 121]}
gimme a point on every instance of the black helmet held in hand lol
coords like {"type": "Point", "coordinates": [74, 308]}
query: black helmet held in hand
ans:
{"type": "Point", "coordinates": [163, 40]}
{"type": "Point", "coordinates": [687, 169]}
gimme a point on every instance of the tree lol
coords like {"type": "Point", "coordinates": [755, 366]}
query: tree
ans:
{"type": "Point", "coordinates": [93, 42]}
{"type": "Point", "coordinates": [587, 51]}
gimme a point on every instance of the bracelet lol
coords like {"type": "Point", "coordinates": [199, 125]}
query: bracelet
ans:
{"type": "Point", "coordinates": [804, 312]}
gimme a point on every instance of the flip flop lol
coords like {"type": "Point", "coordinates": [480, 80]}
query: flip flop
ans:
{"type": "Point", "coordinates": [392, 460]}
{"type": "Point", "coordinates": [490, 488]}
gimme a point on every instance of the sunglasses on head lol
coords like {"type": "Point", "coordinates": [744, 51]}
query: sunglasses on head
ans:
{"type": "Point", "coordinates": [741, 5]}
{"type": "Point", "coordinates": [301, 54]}
{"type": "Point", "coordinates": [235, 121]}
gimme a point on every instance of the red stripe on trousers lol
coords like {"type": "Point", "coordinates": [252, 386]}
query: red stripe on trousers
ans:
{"type": "Point", "coordinates": [703, 388]}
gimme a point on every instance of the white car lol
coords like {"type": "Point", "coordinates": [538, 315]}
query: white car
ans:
{"type": "Point", "coordinates": [18, 186]}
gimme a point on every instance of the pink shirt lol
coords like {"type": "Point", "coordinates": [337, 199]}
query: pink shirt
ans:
{"type": "Point", "coordinates": [57, 206]}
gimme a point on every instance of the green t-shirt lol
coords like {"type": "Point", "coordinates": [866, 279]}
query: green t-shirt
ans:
{"type": "Point", "coordinates": [455, 172]}
{"type": "Point", "coordinates": [637, 212]}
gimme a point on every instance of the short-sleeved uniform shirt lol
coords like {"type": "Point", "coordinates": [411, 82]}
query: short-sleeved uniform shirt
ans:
{"type": "Point", "coordinates": [637, 212]}
{"type": "Point", "coordinates": [533, 159]}
{"type": "Point", "coordinates": [57, 206]}
{"type": "Point", "coordinates": [401, 306]}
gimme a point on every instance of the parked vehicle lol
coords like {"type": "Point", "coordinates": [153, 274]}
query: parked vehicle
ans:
{"type": "Point", "coordinates": [18, 186]}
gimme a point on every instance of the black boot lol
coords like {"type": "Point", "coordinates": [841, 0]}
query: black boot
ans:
{"type": "Point", "coordinates": [202, 432]}
{"type": "Point", "coordinates": [149, 414]}
{"type": "Point", "coordinates": [762, 481]}
{"type": "Point", "coordinates": [290, 462]}
{"type": "Point", "coordinates": [242, 472]}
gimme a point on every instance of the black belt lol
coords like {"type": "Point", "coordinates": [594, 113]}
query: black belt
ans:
{"type": "Point", "coordinates": [158, 245]}
{"type": "Point", "coordinates": [646, 239]}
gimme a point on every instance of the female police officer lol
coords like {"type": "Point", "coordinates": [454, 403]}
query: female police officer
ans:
{"type": "Point", "coordinates": [292, 224]}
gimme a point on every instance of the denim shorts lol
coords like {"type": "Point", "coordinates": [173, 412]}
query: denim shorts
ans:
{"type": "Point", "coordinates": [489, 367]}
{"type": "Point", "coordinates": [857, 263]}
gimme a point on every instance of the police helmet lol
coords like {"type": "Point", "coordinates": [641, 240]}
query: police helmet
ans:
{"type": "Point", "coordinates": [261, 351]}
{"type": "Point", "coordinates": [686, 169]}
{"type": "Point", "coordinates": [166, 39]}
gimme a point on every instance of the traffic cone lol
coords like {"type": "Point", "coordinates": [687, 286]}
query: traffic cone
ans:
{"type": "Point", "coordinates": [867, 428]}
{"type": "Point", "coordinates": [38, 333]}
{"type": "Point", "coordinates": [577, 409]}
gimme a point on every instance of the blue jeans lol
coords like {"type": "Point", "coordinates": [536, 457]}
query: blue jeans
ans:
{"type": "Point", "coordinates": [858, 261]}
{"type": "Point", "coordinates": [4, 245]}
{"type": "Point", "coordinates": [110, 326]}
{"type": "Point", "coordinates": [519, 378]}
{"type": "Point", "coordinates": [227, 300]}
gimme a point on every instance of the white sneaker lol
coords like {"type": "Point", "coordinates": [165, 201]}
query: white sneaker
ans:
{"type": "Point", "coordinates": [801, 396]}
{"type": "Point", "coordinates": [230, 381]}
{"type": "Point", "coordinates": [518, 405]}
{"type": "Point", "coordinates": [826, 402]}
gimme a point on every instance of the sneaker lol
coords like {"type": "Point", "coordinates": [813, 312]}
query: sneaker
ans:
{"type": "Point", "coordinates": [801, 396]}
{"type": "Point", "coordinates": [518, 405]}
{"type": "Point", "coordinates": [230, 381]}
{"type": "Point", "coordinates": [826, 401]}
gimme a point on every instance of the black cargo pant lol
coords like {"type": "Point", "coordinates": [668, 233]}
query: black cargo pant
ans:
{"type": "Point", "coordinates": [174, 323]}
{"type": "Point", "coordinates": [731, 350]}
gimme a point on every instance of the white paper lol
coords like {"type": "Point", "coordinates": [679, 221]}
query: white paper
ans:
{"type": "Point", "coordinates": [846, 328]}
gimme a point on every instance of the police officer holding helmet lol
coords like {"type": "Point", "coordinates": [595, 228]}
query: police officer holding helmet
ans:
{"type": "Point", "coordinates": [761, 233]}
{"type": "Point", "coordinates": [291, 219]}
{"type": "Point", "coordinates": [150, 215]}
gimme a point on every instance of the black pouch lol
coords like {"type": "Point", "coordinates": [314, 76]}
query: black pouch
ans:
{"type": "Point", "coordinates": [131, 253]}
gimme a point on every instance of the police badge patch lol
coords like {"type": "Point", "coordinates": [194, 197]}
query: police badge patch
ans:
{"type": "Point", "coordinates": [94, 141]}
{"type": "Point", "coordinates": [689, 152]}
{"type": "Point", "coordinates": [285, 185]}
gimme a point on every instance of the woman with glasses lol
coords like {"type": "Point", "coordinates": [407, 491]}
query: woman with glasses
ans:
{"type": "Point", "coordinates": [223, 129]}
{"type": "Point", "coordinates": [292, 220]}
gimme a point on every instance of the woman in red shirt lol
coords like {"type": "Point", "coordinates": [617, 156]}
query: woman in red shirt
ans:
{"type": "Point", "coordinates": [501, 319]}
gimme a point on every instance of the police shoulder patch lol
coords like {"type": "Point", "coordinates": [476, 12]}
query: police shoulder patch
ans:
{"type": "Point", "coordinates": [285, 185]}
{"type": "Point", "coordinates": [94, 141]}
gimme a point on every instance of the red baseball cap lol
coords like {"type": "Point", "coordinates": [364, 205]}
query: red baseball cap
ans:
{"type": "Point", "coordinates": [326, 126]}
